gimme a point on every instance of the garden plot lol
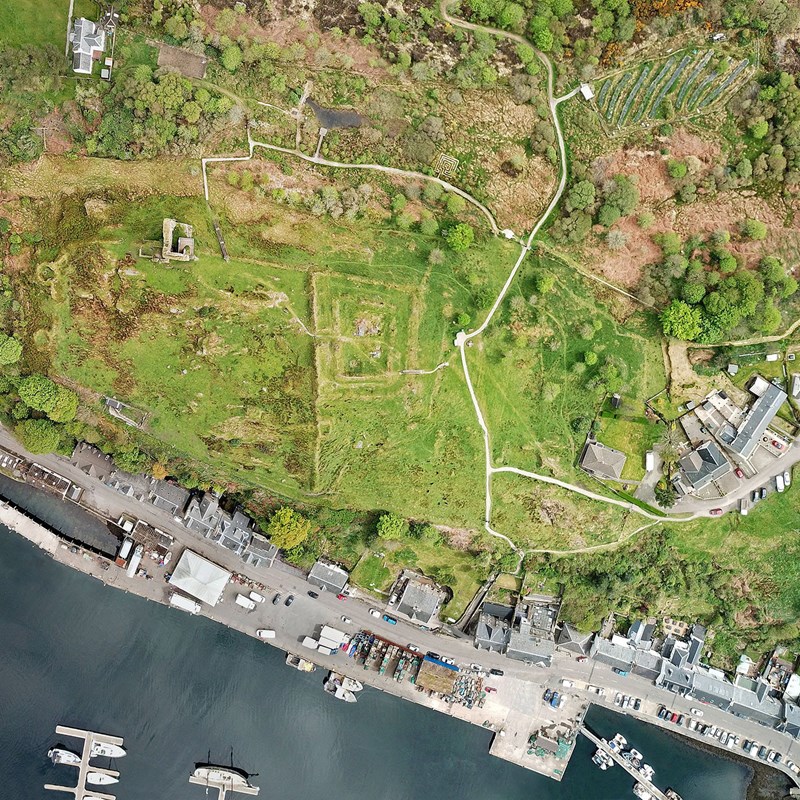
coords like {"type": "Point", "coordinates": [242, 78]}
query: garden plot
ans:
{"type": "Point", "coordinates": [685, 84]}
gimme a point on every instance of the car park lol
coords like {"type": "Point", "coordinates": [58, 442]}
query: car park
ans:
{"type": "Point", "coordinates": [276, 599]}
{"type": "Point", "coordinates": [495, 671]}
{"type": "Point", "coordinates": [696, 712]}
{"type": "Point", "coordinates": [289, 600]}
{"type": "Point", "coordinates": [313, 595]}
{"type": "Point", "coordinates": [375, 613]}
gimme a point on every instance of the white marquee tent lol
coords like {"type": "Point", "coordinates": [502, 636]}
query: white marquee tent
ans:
{"type": "Point", "coordinates": [199, 577]}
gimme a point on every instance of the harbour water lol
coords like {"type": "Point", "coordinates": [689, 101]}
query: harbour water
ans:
{"type": "Point", "coordinates": [176, 687]}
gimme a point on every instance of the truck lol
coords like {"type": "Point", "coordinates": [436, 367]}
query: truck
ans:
{"type": "Point", "coordinates": [136, 559]}
{"type": "Point", "coordinates": [245, 602]}
{"type": "Point", "coordinates": [124, 551]}
{"type": "Point", "coordinates": [310, 642]}
{"type": "Point", "coordinates": [184, 603]}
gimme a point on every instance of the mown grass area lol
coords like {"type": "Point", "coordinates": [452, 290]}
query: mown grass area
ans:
{"type": "Point", "coordinates": [633, 436]}
{"type": "Point", "coordinates": [37, 23]}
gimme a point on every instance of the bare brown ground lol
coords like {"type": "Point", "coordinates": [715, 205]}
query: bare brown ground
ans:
{"type": "Point", "coordinates": [187, 63]}
{"type": "Point", "coordinates": [725, 211]}
{"type": "Point", "coordinates": [457, 538]}
{"type": "Point", "coordinates": [57, 138]}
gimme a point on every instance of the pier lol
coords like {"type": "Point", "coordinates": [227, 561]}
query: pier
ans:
{"type": "Point", "coordinates": [82, 791]}
{"type": "Point", "coordinates": [602, 744]}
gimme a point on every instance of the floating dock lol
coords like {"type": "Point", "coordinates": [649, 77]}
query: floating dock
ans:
{"type": "Point", "coordinates": [602, 744]}
{"type": "Point", "coordinates": [82, 791]}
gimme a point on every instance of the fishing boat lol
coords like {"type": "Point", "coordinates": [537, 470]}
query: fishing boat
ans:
{"type": "Point", "coordinates": [647, 772]}
{"type": "Point", "coordinates": [672, 795]}
{"type": "Point", "coordinates": [333, 686]}
{"type": "Point", "coordinates": [300, 663]}
{"type": "Point", "coordinates": [100, 779]}
{"type": "Point", "coordinates": [352, 685]}
{"type": "Point", "coordinates": [58, 755]}
{"type": "Point", "coordinates": [641, 791]}
{"type": "Point", "coordinates": [620, 740]}
{"type": "Point", "coordinates": [107, 750]}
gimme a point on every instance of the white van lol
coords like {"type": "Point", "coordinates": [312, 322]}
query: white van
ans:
{"type": "Point", "coordinates": [245, 602]}
{"type": "Point", "coordinates": [256, 597]}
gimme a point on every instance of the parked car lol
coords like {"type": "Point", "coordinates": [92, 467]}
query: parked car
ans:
{"type": "Point", "coordinates": [787, 478]}
{"type": "Point", "coordinates": [390, 620]}
{"type": "Point", "coordinates": [778, 445]}
{"type": "Point", "coordinates": [347, 620]}
{"type": "Point", "coordinates": [490, 688]}
{"type": "Point", "coordinates": [778, 758]}
{"type": "Point", "coordinates": [434, 656]}
{"type": "Point", "coordinates": [618, 699]}
{"type": "Point", "coordinates": [697, 712]}
{"type": "Point", "coordinates": [561, 700]}
{"type": "Point", "coordinates": [548, 693]}
{"type": "Point", "coordinates": [341, 596]}
{"type": "Point", "coordinates": [739, 473]}
{"type": "Point", "coordinates": [619, 671]}
{"type": "Point", "coordinates": [476, 667]}
{"type": "Point", "coordinates": [313, 595]}
{"type": "Point", "coordinates": [715, 512]}
{"type": "Point", "coordinates": [289, 600]}
{"type": "Point", "coordinates": [762, 752]}
{"type": "Point", "coordinates": [256, 597]}
{"type": "Point", "coordinates": [445, 659]}
{"type": "Point", "coordinates": [554, 699]}
{"type": "Point", "coordinates": [637, 704]}
{"type": "Point", "coordinates": [679, 721]}
{"type": "Point", "coordinates": [763, 492]}
{"type": "Point", "coordinates": [276, 599]}
{"type": "Point", "coordinates": [567, 683]}
{"type": "Point", "coordinates": [662, 712]}
{"type": "Point", "coordinates": [755, 496]}
{"type": "Point", "coordinates": [692, 724]}
{"type": "Point", "coordinates": [495, 671]}
{"type": "Point", "coordinates": [412, 648]}
{"type": "Point", "coordinates": [771, 756]}
{"type": "Point", "coordinates": [583, 658]}
{"type": "Point", "coordinates": [374, 612]}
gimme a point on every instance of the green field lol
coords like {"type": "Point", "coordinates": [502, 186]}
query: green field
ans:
{"type": "Point", "coordinates": [35, 23]}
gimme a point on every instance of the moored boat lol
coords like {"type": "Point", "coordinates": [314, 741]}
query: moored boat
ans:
{"type": "Point", "coordinates": [59, 755]}
{"type": "Point", "coordinates": [641, 792]}
{"type": "Point", "coordinates": [352, 685]}
{"type": "Point", "coordinates": [229, 777]}
{"type": "Point", "coordinates": [300, 663]}
{"type": "Point", "coordinates": [107, 750]}
{"type": "Point", "coordinates": [100, 779]}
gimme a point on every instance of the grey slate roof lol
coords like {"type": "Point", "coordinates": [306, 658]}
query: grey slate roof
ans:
{"type": "Point", "coordinates": [87, 40]}
{"type": "Point", "coordinates": [676, 679]}
{"type": "Point", "coordinates": [524, 647]}
{"type": "Point", "coordinates": [573, 640]}
{"type": "Point", "coordinates": [791, 719]}
{"type": "Point", "coordinates": [492, 633]}
{"type": "Point", "coordinates": [168, 496]}
{"type": "Point", "coordinates": [761, 413]}
{"type": "Point", "coordinates": [615, 655]}
{"type": "Point", "coordinates": [704, 465]}
{"type": "Point", "coordinates": [93, 461]}
{"type": "Point", "coordinates": [260, 551]}
{"type": "Point", "coordinates": [328, 576]}
{"type": "Point", "coordinates": [647, 663]}
{"type": "Point", "coordinates": [234, 531]}
{"type": "Point", "coordinates": [419, 601]}
{"type": "Point", "coordinates": [203, 514]}
{"type": "Point", "coordinates": [605, 462]}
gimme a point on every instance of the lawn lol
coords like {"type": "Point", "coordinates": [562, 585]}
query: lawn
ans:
{"type": "Point", "coordinates": [632, 435]}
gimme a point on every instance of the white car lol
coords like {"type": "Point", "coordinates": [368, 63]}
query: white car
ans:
{"type": "Point", "coordinates": [448, 661]}
{"type": "Point", "coordinates": [567, 683]}
{"type": "Point", "coordinates": [256, 597]}
{"type": "Point", "coordinates": [696, 712]}
{"type": "Point", "coordinates": [347, 620]}
{"type": "Point", "coordinates": [375, 613]}
{"type": "Point", "coordinates": [413, 648]}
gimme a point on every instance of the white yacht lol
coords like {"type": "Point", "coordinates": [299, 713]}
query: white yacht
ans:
{"type": "Point", "coordinates": [230, 778]}
{"type": "Point", "coordinates": [58, 755]}
{"type": "Point", "coordinates": [100, 779]}
{"type": "Point", "coordinates": [107, 750]}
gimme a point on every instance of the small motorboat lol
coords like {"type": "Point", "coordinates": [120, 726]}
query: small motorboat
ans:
{"type": "Point", "coordinates": [100, 779]}
{"type": "Point", "coordinates": [620, 740]}
{"type": "Point", "coordinates": [229, 778]}
{"type": "Point", "coordinates": [107, 750]}
{"type": "Point", "coordinates": [58, 755]}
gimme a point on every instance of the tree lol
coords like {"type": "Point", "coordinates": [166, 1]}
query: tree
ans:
{"type": "Point", "coordinates": [581, 196]}
{"type": "Point", "coordinates": [664, 494]}
{"type": "Point", "coordinates": [460, 237]}
{"type": "Point", "coordinates": [64, 406]}
{"type": "Point", "coordinates": [693, 292]}
{"type": "Point", "coordinates": [681, 320]}
{"type": "Point", "coordinates": [288, 528]}
{"type": "Point", "coordinates": [455, 204]}
{"type": "Point", "coordinates": [428, 226]}
{"type": "Point", "coordinates": [10, 350]}
{"type": "Point", "coordinates": [759, 128]}
{"type": "Point", "coordinates": [39, 435]}
{"type": "Point", "coordinates": [436, 257]}
{"type": "Point", "coordinates": [754, 229]}
{"type": "Point", "coordinates": [232, 58]}
{"type": "Point", "coordinates": [676, 169]}
{"type": "Point", "coordinates": [616, 239]}
{"type": "Point", "coordinates": [391, 526]}
{"type": "Point", "coordinates": [590, 358]}
{"type": "Point", "coordinates": [132, 459]}
{"type": "Point", "coordinates": [38, 391]}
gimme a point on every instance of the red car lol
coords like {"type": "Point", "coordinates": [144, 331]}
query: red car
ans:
{"type": "Point", "coordinates": [739, 473]}
{"type": "Point", "coordinates": [490, 688]}
{"type": "Point", "coordinates": [341, 597]}
{"type": "Point", "coordinates": [777, 445]}
{"type": "Point", "coordinates": [715, 512]}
